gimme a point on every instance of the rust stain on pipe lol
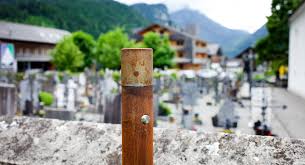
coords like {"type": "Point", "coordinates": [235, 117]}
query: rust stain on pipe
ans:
{"type": "Point", "coordinates": [137, 67]}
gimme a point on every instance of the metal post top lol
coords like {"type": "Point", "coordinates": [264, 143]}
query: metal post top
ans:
{"type": "Point", "coordinates": [137, 67]}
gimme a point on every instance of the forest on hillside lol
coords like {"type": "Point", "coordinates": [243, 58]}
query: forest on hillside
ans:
{"type": "Point", "coordinates": [92, 16]}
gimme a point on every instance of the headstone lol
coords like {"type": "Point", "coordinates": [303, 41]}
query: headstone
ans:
{"type": "Point", "coordinates": [59, 113]}
{"type": "Point", "coordinates": [8, 99]}
{"type": "Point", "coordinates": [113, 109]}
{"type": "Point", "coordinates": [60, 95]}
{"type": "Point", "coordinates": [226, 114]}
{"type": "Point", "coordinates": [71, 95]}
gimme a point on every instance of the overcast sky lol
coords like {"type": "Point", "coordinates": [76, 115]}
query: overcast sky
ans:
{"type": "Point", "coordinates": [247, 15]}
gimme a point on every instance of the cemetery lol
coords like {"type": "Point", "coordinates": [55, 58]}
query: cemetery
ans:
{"type": "Point", "coordinates": [116, 82]}
{"type": "Point", "coordinates": [66, 115]}
{"type": "Point", "coordinates": [96, 96]}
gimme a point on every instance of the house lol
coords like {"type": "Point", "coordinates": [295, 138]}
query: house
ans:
{"type": "Point", "coordinates": [215, 53]}
{"type": "Point", "coordinates": [296, 75]}
{"type": "Point", "coordinates": [248, 57]}
{"type": "Point", "coordinates": [191, 52]}
{"type": "Point", "coordinates": [32, 43]}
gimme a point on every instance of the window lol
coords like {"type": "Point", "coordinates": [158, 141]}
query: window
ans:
{"type": "Point", "coordinates": [180, 54]}
{"type": "Point", "coordinates": [180, 42]}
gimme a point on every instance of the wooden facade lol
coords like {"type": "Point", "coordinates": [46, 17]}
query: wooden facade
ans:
{"type": "Point", "coordinates": [32, 44]}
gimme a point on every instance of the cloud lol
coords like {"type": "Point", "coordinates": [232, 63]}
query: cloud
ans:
{"type": "Point", "coordinates": [247, 15]}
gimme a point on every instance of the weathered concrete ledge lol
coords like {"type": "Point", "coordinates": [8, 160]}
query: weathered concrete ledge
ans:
{"type": "Point", "coordinates": [44, 141]}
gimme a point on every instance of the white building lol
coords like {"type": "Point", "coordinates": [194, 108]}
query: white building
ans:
{"type": "Point", "coordinates": [296, 79]}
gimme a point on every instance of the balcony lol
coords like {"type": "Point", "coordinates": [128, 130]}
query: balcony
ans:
{"type": "Point", "coordinates": [33, 57]}
{"type": "Point", "coordinates": [201, 50]}
{"type": "Point", "coordinates": [180, 60]}
{"type": "Point", "coordinates": [200, 60]}
{"type": "Point", "coordinates": [177, 47]}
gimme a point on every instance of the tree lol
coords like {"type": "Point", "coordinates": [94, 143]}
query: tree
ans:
{"type": "Point", "coordinates": [274, 47]}
{"type": "Point", "coordinates": [109, 47]}
{"type": "Point", "coordinates": [66, 56]}
{"type": "Point", "coordinates": [86, 44]}
{"type": "Point", "coordinates": [163, 54]}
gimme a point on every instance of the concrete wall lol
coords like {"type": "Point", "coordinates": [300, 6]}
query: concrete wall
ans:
{"type": "Point", "coordinates": [44, 141]}
{"type": "Point", "coordinates": [296, 78]}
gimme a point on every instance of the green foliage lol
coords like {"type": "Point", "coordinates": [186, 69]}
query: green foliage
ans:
{"type": "Point", "coordinates": [259, 77]}
{"type": "Point", "coordinates": [46, 98]}
{"type": "Point", "coordinates": [93, 16]}
{"type": "Point", "coordinates": [157, 75]}
{"type": "Point", "coordinates": [67, 57]}
{"type": "Point", "coordinates": [86, 44]}
{"type": "Point", "coordinates": [275, 45]}
{"type": "Point", "coordinates": [163, 54]}
{"type": "Point", "coordinates": [164, 110]}
{"type": "Point", "coordinates": [240, 76]}
{"type": "Point", "coordinates": [101, 73]}
{"type": "Point", "coordinates": [19, 76]}
{"type": "Point", "coordinates": [174, 76]}
{"type": "Point", "coordinates": [116, 76]}
{"type": "Point", "coordinates": [269, 73]}
{"type": "Point", "coordinates": [109, 47]}
{"type": "Point", "coordinates": [40, 21]}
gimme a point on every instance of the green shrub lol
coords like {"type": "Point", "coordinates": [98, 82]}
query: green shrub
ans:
{"type": "Point", "coordinates": [116, 76]}
{"type": "Point", "coordinates": [174, 76]}
{"type": "Point", "coordinates": [269, 73]}
{"type": "Point", "coordinates": [19, 76]}
{"type": "Point", "coordinates": [157, 75]}
{"type": "Point", "coordinates": [259, 77]}
{"type": "Point", "coordinates": [164, 110]}
{"type": "Point", "coordinates": [46, 97]}
{"type": "Point", "coordinates": [240, 76]}
{"type": "Point", "coordinates": [101, 73]}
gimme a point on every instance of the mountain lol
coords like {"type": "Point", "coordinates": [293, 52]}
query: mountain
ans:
{"type": "Point", "coordinates": [156, 13]}
{"type": "Point", "coordinates": [252, 39]}
{"type": "Point", "coordinates": [92, 16]}
{"type": "Point", "coordinates": [210, 30]}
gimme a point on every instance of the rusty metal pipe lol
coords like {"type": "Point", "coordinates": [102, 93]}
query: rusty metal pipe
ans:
{"type": "Point", "coordinates": [137, 106]}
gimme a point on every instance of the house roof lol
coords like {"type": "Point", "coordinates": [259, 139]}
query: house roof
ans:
{"type": "Point", "coordinates": [214, 49]}
{"type": "Point", "coordinates": [239, 55]}
{"type": "Point", "coordinates": [298, 11]}
{"type": "Point", "coordinates": [29, 33]}
{"type": "Point", "coordinates": [175, 30]}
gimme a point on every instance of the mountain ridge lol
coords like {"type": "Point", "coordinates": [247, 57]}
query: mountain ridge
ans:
{"type": "Point", "coordinates": [210, 30]}
{"type": "Point", "coordinates": [232, 41]}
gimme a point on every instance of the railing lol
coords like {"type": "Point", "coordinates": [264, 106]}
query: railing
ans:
{"type": "Point", "coordinates": [33, 57]}
{"type": "Point", "coordinates": [201, 50]}
{"type": "Point", "coordinates": [182, 60]}
{"type": "Point", "coordinates": [177, 47]}
{"type": "Point", "coordinates": [200, 60]}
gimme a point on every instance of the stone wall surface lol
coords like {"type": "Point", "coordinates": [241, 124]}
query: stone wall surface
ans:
{"type": "Point", "coordinates": [44, 141]}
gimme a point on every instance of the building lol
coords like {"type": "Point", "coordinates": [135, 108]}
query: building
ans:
{"type": "Point", "coordinates": [32, 43]}
{"type": "Point", "coordinates": [215, 53]}
{"type": "Point", "coordinates": [296, 76]}
{"type": "Point", "coordinates": [191, 52]}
